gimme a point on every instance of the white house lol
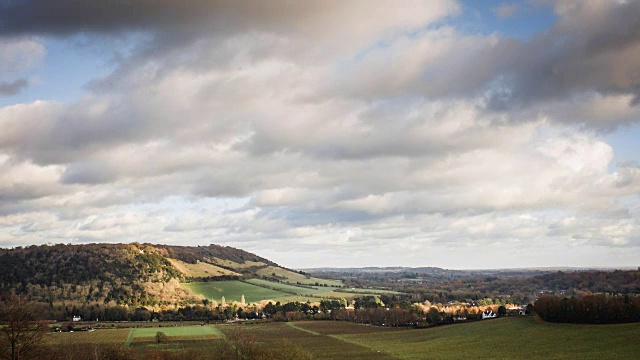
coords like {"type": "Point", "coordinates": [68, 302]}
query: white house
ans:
{"type": "Point", "coordinates": [77, 318]}
{"type": "Point", "coordinates": [487, 314]}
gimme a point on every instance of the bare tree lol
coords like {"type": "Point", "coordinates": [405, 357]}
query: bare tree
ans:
{"type": "Point", "coordinates": [20, 333]}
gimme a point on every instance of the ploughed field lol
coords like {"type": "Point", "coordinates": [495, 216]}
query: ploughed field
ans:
{"type": "Point", "coordinates": [506, 338]}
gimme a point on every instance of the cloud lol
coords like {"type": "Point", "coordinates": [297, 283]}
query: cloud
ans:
{"type": "Point", "coordinates": [13, 87]}
{"type": "Point", "coordinates": [174, 20]}
{"type": "Point", "coordinates": [310, 127]}
{"type": "Point", "coordinates": [20, 53]}
{"type": "Point", "coordinates": [582, 53]}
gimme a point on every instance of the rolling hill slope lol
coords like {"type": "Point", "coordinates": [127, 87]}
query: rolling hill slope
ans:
{"type": "Point", "coordinates": [130, 274]}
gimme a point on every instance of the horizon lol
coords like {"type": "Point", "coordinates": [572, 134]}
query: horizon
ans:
{"type": "Point", "coordinates": [551, 267]}
{"type": "Point", "coordinates": [451, 134]}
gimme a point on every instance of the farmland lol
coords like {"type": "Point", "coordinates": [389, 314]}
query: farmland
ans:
{"type": "Point", "coordinates": [322, 347]}
{"type": "Point", "coordinates": [290, 288]}
{"type": "Point", "coordinates": [106, 336]}
{"type": "Point", "coordinates": [294, 277]}
{"type": "Point", "coordinates": [233, 291]}
{"type": "Point", "coordinates": [200, 269]}
{"type": "Point", "coordinates": [256, 290]}
{"type": "Point", "coordinates": [174, 333]}
{"type": "Point", "coordinates": [506, 338]}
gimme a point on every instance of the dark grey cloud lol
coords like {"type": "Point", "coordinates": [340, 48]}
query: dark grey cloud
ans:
{"type": "Point", "coordinates": [13, 87]}
{"type": "Point", "coordinates": [591, 48]}
{"type": "Point", "coordinates": [66, 17]}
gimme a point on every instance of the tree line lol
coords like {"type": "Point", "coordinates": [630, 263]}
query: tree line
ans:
{"type": "Point", "coordinates": [589, 309]}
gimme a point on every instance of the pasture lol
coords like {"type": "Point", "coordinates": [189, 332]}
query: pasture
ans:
{"type": "Point", "coordinates": [200, 269]}
{"type": "Point", "coordinates": [506, 338]}
{"type": "Point", "coordinates": [176, 333]}
{"type": "Point", "coordinates": [233, 290]}
{"type": "Point", "coordinates": [101, 336]}
{"type": "Point", "coordinates": [292, 289]}
{"type": "Point", "coordinates": [257, 290]}
{"type": "Point", "coordinates": [294, 277]}
{"type": "Point", "coordinates": [322, 347]}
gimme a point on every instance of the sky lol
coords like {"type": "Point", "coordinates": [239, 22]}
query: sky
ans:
{"type": "Point", "coordinates": [462, 135]}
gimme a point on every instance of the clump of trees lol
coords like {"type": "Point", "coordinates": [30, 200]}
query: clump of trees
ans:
{"type": "Point", "coordinates": [161, 337]}
{"type": "Point", "coordinates": [589, 309]}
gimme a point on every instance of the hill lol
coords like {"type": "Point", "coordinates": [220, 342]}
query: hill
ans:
{"type": "Point", "coordinates": [129, 274]}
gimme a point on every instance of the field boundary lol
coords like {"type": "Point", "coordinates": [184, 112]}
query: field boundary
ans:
{"type": "Point", "coordinates": [355, 342]}
{"type": "Point", "coordinates": [302, 329]}
{"type": "Point", "coordinates": [129, 338]}
{"type": "Point", "coordinates": [220, 334]}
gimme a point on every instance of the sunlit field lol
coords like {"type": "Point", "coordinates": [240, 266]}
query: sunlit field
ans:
{"type": "Point", "coordinates": [175, 333]}
{"type": "Point", "coordinates": [297, 290]}
{"type": "Point", "coordinates": [233, 291]}
{"type": "Point", "coordinates": [293, 277]}
{"type": "Point", "coordinates": [255, 290]}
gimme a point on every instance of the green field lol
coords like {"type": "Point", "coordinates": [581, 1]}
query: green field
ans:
{"type": "Point", "coordinates": [102, 336]}
{"type": "Point", "coordinates": [322, 347]}
{"type": "Point", "coordinates": [256, 290]}
{"type": "Point", "coordinates": [297, 290]}
{"type": "Point", "coordinates": [233, 291]}
{"type": "Point", "coordinates": [294, 277]}
{"type": "Point", "coordinates": [506, 338]}
{"type": "Point", "coordinates": [176, 333]}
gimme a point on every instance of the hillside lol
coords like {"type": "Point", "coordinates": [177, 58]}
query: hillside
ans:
{"type": "Point", "coordinates": [126, 274]}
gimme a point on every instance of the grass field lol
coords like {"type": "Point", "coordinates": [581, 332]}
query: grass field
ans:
{"type": "Point", "coordinates": [103, 336]}
{"type": "Point", "coordinates": [322, 347]}
{"type": "Point", "coordinates": [200, 269]}
{"type": "Point", "coordinates": [294, 277]}
{"type": "Point", "coordinates": [343, 327]}
{"type": "Point", "coordinates": [507, 338]}
{"type": "Point", "coordinates": [233, 291]}
{"type": "Point", "coordinates": [255, 290]}
{"type": "Point", "coordinates": [290, 288]}
{"type": "Point", "coordinates": [235, 265]}
{"type": "Point", "coordinates": [176, 333]}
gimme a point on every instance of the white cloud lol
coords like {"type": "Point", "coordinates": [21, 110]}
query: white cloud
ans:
{"type": "Point", "coordinates": [20, 54]}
